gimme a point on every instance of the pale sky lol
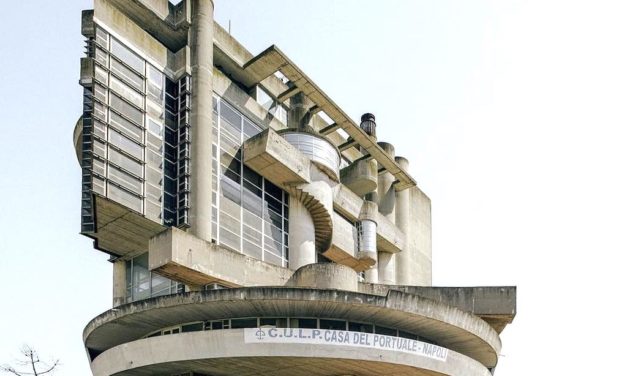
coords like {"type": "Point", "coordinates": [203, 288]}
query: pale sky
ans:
{"type": "Point", "coordinates": [511, 113]}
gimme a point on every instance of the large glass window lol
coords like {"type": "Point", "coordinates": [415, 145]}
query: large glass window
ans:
{"type": "Point", "coordinates": [141, 283]}
{"type": "Point", "coordinates": [249, 213]}
{"type": "Point", "coordinates": [128, 97]}
{"type": "Point", "coordinates": [127, 56]}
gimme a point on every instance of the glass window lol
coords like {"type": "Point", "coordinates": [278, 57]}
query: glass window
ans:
{"type": "Point", "coordinates": [126, 92]}
{"type": "Point", "coordinates": [304, 323]}
{"type": "Point", "coordinates": [128, 128]}
{"type": "Point", "coordinates": [332, 324]}
{"type": "Point", "coordinates": [241, 193]}
{"type": "Point", "coordinates": [125, 144]}
{"type": "Point", "coordinates": [195, 327]}
{"type": "Point", "coordinates": [125, 180]}
{"type": "Point", "coordinates": [141, 283]}
{"type": "Point", "coordinates": [243, 323]}
{"type": "Point", "coordinates": [155, 127]}
{"type": "Point", "coordinates": [102, 37]}
{"type": "Point", "coordinates": [127, 110]}
{"type": "Point", "coordinates": [155, 81]}
{"type": "Point", "coordinates": [127, 56]}
{"type": "Point", "coordinates": [360, 327]}
{"type": "Point", "coordinates": [127, 75]}
{"type": "Point", "coordinates": [385, 331]}
{"type": "Point", "coordinates": [124, 197]}
{"type": "Point", "coordinates": [407, 335]}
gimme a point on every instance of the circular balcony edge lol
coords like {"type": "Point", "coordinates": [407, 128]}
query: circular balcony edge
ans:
{"type": "Point", "coordinates": [448, 326]}
{"type": "Point", "coordinates": [236, 352]}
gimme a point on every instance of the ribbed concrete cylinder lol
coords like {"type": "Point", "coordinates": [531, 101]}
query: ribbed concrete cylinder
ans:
{"type": "Point", "coordinates": [119, 283]}
{"type": "Point", "coordinates": [302, 237]}
{"type": "Point", "coordinates": [403, 269]}
{"type": "Point", "coordinates": [201, 44]}
{"type": "Point", "coordinates": [387, 201]}
{"type": "Point", "coordinates": [368, 246]}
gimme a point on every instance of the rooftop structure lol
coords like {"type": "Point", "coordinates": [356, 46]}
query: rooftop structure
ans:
{"type": "Point", "coordinates": [254, 227]}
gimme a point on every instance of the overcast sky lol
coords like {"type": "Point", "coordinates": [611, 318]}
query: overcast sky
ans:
{"type": "Point", "coordinates": [511, 113]}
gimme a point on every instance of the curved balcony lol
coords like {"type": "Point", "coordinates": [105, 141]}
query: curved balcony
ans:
{"type": "Point", "coordinates": [125, 327]}
{"type": "Point", "coordinates": [317, 148]}
{"type": "Point", "coordinates": [263, 352]}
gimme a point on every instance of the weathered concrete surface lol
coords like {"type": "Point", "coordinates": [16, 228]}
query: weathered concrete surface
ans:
{"type": "Point", "coordinates": [201, 45]}
{"type": "Point", "coordinates": [121, 231]}
{"type": "Point", "coordinates": [413, 218]}
{"type": "Point", "coordinates": [302, 235]}
{"type": "Point", "coordinates": [119, 282]}
{"type": "Point", "coordinates": [446, 325]}
{"type": "Point", "coordinates": [225, 353]}
{"type": "Point", "coordinates": [167, 23]}
{"type": "Point", "coordinates": [360, 177]}
{"type": "Point", "coordinates": [109, 14]}
{"type": "Point", "coordinates": [183, 257]}
{"type": "Point", "coordinates": [275, 159]}
{"type": "Point", "coordinates": [494, 304]}
{"type": "Point", "coordinates": [325, 276]}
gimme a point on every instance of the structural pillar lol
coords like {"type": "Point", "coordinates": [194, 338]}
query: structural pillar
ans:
{"type": "Point", "coordinates": [302, 236]}
{"type": "Point", "coordinates": [387, 200]}
{"type": "Point", "coordinates": [403, 264]}
{"type": "Point", "coordinates": [201, 45]}
{"type": "Point", "coordinates": [119, 282]}
{"type": "Point", "coordinates": [368, 227]}
{"type": "Point", "coordinates": [368, 246]}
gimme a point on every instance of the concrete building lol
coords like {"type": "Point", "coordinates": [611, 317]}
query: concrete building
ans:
{"type": "Point", "coordinates": [254, 228]}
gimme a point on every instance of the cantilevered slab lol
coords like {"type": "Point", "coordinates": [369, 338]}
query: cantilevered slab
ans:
{"type": "Point", "coordinates": [450, 327]}
{"type": "Point", "coordinates": [274, 158]}
{"type": "Point", "coordinates": [182, 257]}
{"type": "Point", "coordinates": [120, 231]}
{"type": "Point", "coordinates": [272, 60]}
{"type": "Point", "coordinates": [496, 305]}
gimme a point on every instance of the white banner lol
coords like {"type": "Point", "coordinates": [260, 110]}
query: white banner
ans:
{"type": "Point", "coordinates": [345, 338]}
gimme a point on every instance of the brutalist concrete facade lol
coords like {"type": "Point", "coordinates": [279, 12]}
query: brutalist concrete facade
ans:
{"type": "Point", "coordinates": [254, 228]}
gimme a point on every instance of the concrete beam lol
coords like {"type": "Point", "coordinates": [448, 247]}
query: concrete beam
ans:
{"type": "Point", "coordinates": [287, 94]}
{"type": "Point", "coordinates": [348, 144]}
{"type": "Point", "coordinates": [180, 256]}
{"type": "Point", "coordinates": [329, 129]}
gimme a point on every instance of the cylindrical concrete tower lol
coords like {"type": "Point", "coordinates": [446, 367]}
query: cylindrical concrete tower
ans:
{"type": "Point", "coordinates": [387, 199]}
{"type": "Point", "coordinates": [403, 270]}
{"type": "Point", "coordinates": [201, 46]}
{"type": "Point", "coordinates": [302, 235]}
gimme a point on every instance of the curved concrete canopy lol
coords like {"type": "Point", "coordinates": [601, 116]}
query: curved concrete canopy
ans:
{"type": "Point", "coordinates": [225, 353]}
{"type": "Point", "coordinates": [447, 325]}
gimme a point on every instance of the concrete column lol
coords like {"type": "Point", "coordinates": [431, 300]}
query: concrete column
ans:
{"type": "Point", "coordinates": [302, 237]}
{"type": "Point", "coordinates": [385, 190]}
{"type": "Point", "coordinates": [119, 283]}
{"type": "Point", "coordinates": [298, 117]}
{"type": "Point", "coordinates": [387, 200]}
{"type": "Point", "coordinates": [201, 45]}
{"type": "Point", "coordinates": [403, 259]}
{"type": "Point", "coordinates": [368, 246]}
{"type": "Point", "coordinates": [386, 264]}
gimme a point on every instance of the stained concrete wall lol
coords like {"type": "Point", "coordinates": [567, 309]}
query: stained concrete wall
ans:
{"type": "Point", "coordinates": [130, 33]}
{"type": "Point", "coordinates": [184, 257]}
{"type": "Point", "coordinates": [225, 352]}
{"type": "Point", "coordinates": [419, 238]}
